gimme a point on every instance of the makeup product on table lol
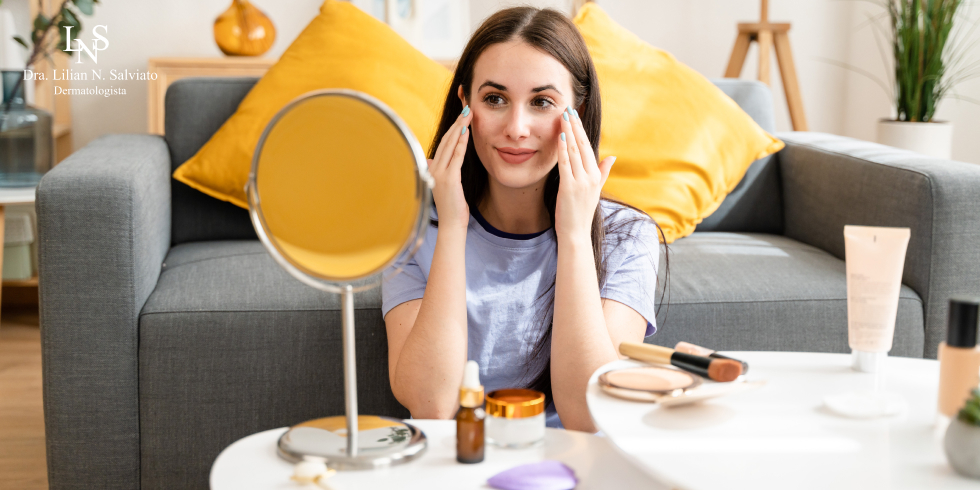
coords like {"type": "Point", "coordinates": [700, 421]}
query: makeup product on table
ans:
{"type": "Point", "coordinates": [641, 385]}
{"type": "Point", "coordinates": [697, 350]}
{"type": "Point", "coordinates": [470, 440]}
{"type": "Point", "coordinates": [959, 356]}
{"type": "Point", "coordinates": [648, 384]}
{"type": "Point", "coordinates": [544, 475]}
{"type": "Point", "coordinates": [515, 417]}
{"type": "Point", "coordinates": [874, 261]}
{"type": "Point", "coordinates": [715, 369]}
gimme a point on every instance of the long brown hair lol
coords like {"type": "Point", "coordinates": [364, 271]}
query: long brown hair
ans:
{"type": "Point", "coordinates": [552, 32]}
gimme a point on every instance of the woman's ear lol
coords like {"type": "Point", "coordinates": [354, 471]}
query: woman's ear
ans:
{"type": "Point", "coordinates": [459, 93]}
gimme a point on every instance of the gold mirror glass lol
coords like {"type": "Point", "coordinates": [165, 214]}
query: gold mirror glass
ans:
{"type": "Point", "coordinates": [338, 193]}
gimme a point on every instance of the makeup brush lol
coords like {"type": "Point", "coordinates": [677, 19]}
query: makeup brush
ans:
{"type": "Point", "coordinates": [715, 369]}
{"type": "Point", "coordinates": [697, 350]}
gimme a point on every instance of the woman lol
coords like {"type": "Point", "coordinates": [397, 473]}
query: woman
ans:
{"type": "Point", "coordinates": [523, 270]}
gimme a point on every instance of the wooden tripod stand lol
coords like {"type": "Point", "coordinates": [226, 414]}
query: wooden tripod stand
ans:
{"type": "Point", "coordinates": [769, 35]}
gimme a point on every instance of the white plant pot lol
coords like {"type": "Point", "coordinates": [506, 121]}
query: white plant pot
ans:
{"type": "Point", "coordinates": [962, 445]}
{"type": "Point", "coordinates": [928, 138]}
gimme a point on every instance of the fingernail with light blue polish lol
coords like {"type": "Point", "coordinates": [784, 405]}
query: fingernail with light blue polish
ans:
{"type": "Point", "coordinates": [466, 111]}
{"type": "Point", "coordinates": [464, 130]}
{"type": "Point", "coordinates": [563, 136]}
{"type": "Point", "coordinates": [575, 113]}
{"type": "Point", "coordinates": [564, 115]}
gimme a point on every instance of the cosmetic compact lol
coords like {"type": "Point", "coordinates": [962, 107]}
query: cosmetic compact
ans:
{"type": "Point", "coordinates": [515, 417]}
{"type": "Point", "coordinates": [667, 386]}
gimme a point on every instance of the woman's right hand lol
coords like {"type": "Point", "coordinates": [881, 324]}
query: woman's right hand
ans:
{"type": "Point", "coordinates": [445, 171]}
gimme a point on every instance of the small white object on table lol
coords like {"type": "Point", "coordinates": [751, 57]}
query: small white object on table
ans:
{"type": "Point", "coordinates": [10, 196]}
{"type": "Point", "coordinates": [17, 195]}
{"type": "Point", "coordinates": [252, 462]}
{"type": "Point", "coordinates": [780, 436]}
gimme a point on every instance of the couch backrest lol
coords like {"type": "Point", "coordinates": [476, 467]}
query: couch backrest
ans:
{"type": "Point", "coordinates": [755, 205]}
{"type": "Point", "coordinates": [197, 107]}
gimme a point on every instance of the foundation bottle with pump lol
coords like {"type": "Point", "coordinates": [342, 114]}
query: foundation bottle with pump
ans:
{"type": "Point", "coordinates": [959, 356]}
{"type": "Point", "coordinates": [470, 439]}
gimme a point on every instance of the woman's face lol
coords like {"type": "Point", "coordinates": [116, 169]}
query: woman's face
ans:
{"type": "Point", "coordinates": [517, 98]}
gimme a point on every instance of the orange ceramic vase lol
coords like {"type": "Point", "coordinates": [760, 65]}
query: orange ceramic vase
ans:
{"type": "Point", "coordinates": [243, 30]}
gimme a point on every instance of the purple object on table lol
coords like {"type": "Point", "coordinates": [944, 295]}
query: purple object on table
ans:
{"type": "Point", "coordinates": [545, 475]}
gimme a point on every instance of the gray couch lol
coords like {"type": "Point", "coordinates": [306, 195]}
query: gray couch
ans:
{"type": "Point", "coordinates": [169, 333]}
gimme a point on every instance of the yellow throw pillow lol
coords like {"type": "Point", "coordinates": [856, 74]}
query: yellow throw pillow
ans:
{"type": "Point", "coordinates": [681, 144]}
{"type": "Point", "coordinates": [342, 48]}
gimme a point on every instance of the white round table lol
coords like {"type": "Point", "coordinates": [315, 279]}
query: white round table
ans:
{"type": "Point", "coordinates": [780, 436]}
{"type": "Point", "coordinates": [252, 462]}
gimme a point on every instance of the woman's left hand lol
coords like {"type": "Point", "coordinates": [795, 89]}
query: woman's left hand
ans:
{"type": "Point", "coordinates": [581, 179]}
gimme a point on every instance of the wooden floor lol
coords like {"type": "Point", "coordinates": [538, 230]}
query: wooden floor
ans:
{"type": "Point", "coordinates": [22, 460]}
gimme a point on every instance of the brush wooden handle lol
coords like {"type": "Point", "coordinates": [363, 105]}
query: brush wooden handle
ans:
{"type": "Point", "coordinates": [646, 352]}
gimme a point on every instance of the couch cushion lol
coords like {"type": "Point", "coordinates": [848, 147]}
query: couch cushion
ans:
{"type": "Point", "coordinates": [230, 344]}
{"type": "Point", "coordinates": [342, 48]}
{"type": "Point", "coordinates": [195, 109]}
{"type": "Point", "coordinates": [682, 144]}
{"type": "Point", "coordinates": [744, 291]}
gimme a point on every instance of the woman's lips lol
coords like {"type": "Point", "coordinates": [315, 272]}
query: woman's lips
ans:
{"type": "Point", "coordinates": [515, 156]}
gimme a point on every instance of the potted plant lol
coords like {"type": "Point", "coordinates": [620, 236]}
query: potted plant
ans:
{"type": "Point", "coordinates": [925, 64]}
{"type": "Point", "coordinates": [962, 442]}
{"type": "Point", "coordinates": [26, 139]}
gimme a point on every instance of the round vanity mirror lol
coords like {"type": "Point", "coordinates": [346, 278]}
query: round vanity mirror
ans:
{"type": "Point", "coordinates": [338, 193]}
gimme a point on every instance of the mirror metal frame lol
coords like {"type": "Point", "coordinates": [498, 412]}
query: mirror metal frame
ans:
{"type": "Point", "coordinates": [424, 185]}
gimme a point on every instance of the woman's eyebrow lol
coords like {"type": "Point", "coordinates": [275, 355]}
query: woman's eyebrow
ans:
{"type": "Point", "coordinates": [500, 87]}
{"type": "Point", "coordinates": [495, 85]}
{"type": "Point", "coordinates": [546, 87]}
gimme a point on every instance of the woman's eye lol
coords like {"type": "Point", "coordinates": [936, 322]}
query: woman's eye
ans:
{"type": "Point", "coordinates": [493, 99]}
{"type": "Point", "coordinates": [545, 102]}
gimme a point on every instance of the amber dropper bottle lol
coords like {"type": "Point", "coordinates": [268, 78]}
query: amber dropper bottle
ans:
{"type": "Point", "coordinates": [469, 420]}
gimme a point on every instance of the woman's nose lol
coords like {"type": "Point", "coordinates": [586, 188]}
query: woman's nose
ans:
{"type": "Point", "coordinates": [518, 124]}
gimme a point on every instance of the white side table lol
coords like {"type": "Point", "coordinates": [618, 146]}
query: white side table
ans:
{"type": "Point", "coordinates": [252, 462]}
{"type": "Point", "coordinates": [780, 436]}
{"type": "Point", "coordinates": [9, 196]}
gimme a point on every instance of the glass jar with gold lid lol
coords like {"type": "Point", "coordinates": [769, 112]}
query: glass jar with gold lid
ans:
{"type": "Point", "coordinates": [515, 417]}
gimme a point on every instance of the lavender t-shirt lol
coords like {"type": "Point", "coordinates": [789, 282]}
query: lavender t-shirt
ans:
{"type": "Point", "coordinates": [506, 274]}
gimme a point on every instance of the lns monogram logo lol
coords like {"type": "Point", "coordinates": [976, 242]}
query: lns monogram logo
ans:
{"type": "Point", "coordinates": [92, 53]}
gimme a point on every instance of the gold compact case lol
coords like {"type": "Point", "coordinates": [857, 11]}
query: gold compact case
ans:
{"type": "Point", "coordinates": [667, 387]}
{"type": "Point", "coordinates": [651, 380]}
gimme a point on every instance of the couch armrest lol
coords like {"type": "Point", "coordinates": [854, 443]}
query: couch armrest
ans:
{"type": "Point", "coordinates": [103, 230]}
{"type": "Point", "coordinates": [831, 181]}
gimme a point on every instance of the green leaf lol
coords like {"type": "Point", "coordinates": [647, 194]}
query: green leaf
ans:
{"type": "Point", "coordinates": [68, 18]}
{"type": "Point", "coordinates": [85, 6]}
{"type": "Point", "coordinates": [41, 22]}
{"type": "Point", "coordinates": [21, 41]}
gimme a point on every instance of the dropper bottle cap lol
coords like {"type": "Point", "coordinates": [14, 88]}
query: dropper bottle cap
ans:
{"type": "Point", "coordinates": [964, 314]}
{"type": "Point", "coordinates": [471, 392]}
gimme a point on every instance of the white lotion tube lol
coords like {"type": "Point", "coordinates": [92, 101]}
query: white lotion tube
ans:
{"type": "Point", "coordinates": [875, 260]}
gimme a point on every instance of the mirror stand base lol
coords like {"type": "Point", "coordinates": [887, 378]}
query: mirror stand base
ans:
{"type": "Point", "coordinates": [382, 442]}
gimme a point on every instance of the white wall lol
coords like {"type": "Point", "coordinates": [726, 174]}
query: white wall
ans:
{"type": "Point", "coordinates": [700, 33]}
